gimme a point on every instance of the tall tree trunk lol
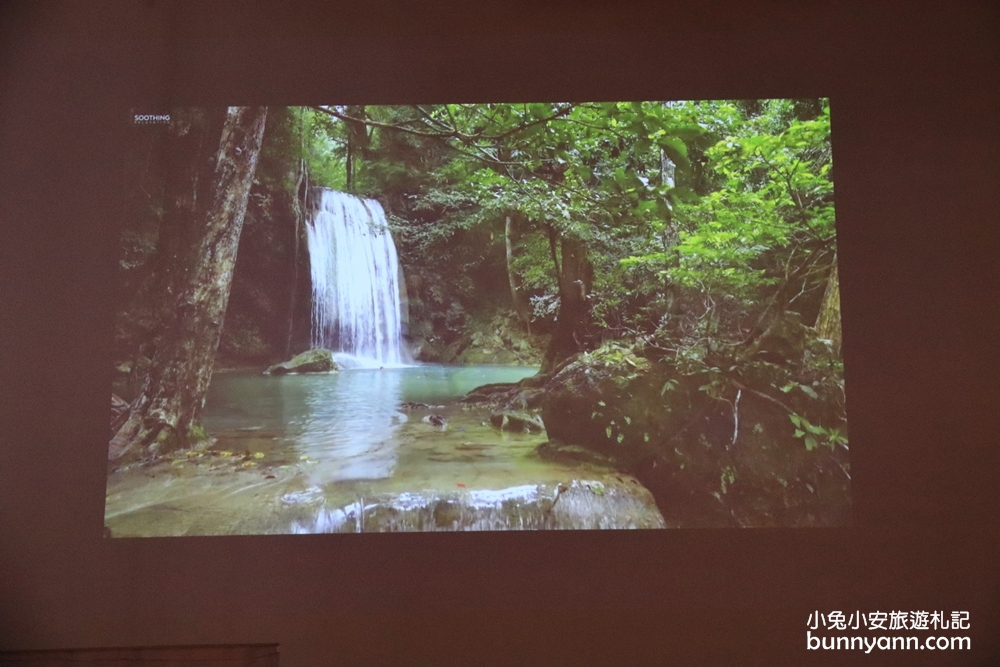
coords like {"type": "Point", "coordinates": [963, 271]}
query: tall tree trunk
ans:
{"type": "Point", "coordinates": [163, 415]}
{"type": "Point", "coordinates": [357, 141]}
{"type": "Point", "coordinates": [297, 208]}
{"type": "Point", "coordinates": [517, 294]}
{"type": "Point", "coordinates": [671, 233]}
{"type": "Point", "coordinates": [349, 164]}
{"type": "Point", "coordinates": [575, 280]}
{"type": "Point", "coordinates": [553, 248]}
{"type": "Point", "coordinates": [828, 320]}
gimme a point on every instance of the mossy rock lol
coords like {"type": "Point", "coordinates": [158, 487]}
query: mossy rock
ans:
{"type": "Point", "coordinates": [617, 405]}
{"type": "Point", "coordinates": [729, 460]}
{"type": "Point", "coordinates": [311, 361]}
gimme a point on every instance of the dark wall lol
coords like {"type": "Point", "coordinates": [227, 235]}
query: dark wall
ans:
{"type": "Point", "coordinates": [914, 97]}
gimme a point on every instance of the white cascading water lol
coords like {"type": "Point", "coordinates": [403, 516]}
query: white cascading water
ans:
{"type": "Point", "coordinates": [356, 306]}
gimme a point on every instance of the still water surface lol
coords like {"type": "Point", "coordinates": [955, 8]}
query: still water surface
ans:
{"type": "Point", "coordinates": [347, 420]}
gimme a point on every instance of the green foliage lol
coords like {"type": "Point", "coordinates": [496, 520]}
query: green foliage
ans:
{"type": "Point", "coordinates": [197, 434]}
{"type": "Point", "coordinates": [814, 435]}
{"type": "Point", "coordinates": [765, 219]}
{"type": "Point", "coordinates": [777, 197]}
{"type": "Point", "coordinates": [705, 223]}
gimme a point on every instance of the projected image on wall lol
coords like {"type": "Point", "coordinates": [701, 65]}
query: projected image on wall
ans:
{"type": "Point", "coordinates": [451, 317]}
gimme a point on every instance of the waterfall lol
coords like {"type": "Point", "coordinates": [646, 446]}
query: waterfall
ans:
{"type": "Point", "coordinates": [356, 306]}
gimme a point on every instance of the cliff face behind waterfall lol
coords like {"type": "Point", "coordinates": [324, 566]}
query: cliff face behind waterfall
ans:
{"type": "Point", "coordinates": [270, 293]}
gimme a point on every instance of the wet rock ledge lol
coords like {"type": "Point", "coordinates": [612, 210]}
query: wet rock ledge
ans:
{"type": "Point", "coordinates": [619, 502]}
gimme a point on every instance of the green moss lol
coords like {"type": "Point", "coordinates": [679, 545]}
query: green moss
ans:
{"type": "Point", "coordinates": [197, 434]}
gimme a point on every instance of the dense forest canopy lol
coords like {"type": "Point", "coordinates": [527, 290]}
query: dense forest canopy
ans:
{"type": "Point", "coordinates": [692, 226]}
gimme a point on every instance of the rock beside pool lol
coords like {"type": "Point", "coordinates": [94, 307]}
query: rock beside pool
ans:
{"type": "Point", "coordinates": [517, 421]}
{"type": "Point", "coordinates": [311, 361]}
{"type": "Point", "coordinates": [435, 420]}
{"type": "Point", "coordinates": [413, 405]}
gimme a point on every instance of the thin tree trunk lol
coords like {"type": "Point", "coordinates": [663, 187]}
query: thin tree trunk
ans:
{"type": "Point", "coordinates": [553, 243]}
{"type": "Point", "coordinates": [574, 285]}
{"type": "Point", "coordinates": [349, 163]}
{"type": "Point", "coordinates": [828, 320]}
{"type": "Point", "coordinates": [298, 210]}
{"type": "Point", "coordinates": [357, 141]}
{"type": "Point", "coordinates": [163, 416]}
{"type": "Point", "coordinates": [517, 295]}
{"type": "Point", "coordinates": [671, 235]}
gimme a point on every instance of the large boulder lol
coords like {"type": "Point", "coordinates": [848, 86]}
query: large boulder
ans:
{"type": "Point", "coordinates": [616, 403]}
{"type": "Point", "coordinates": [710, 455]}
{"type": "Point", "coordinates": [311, 361]}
